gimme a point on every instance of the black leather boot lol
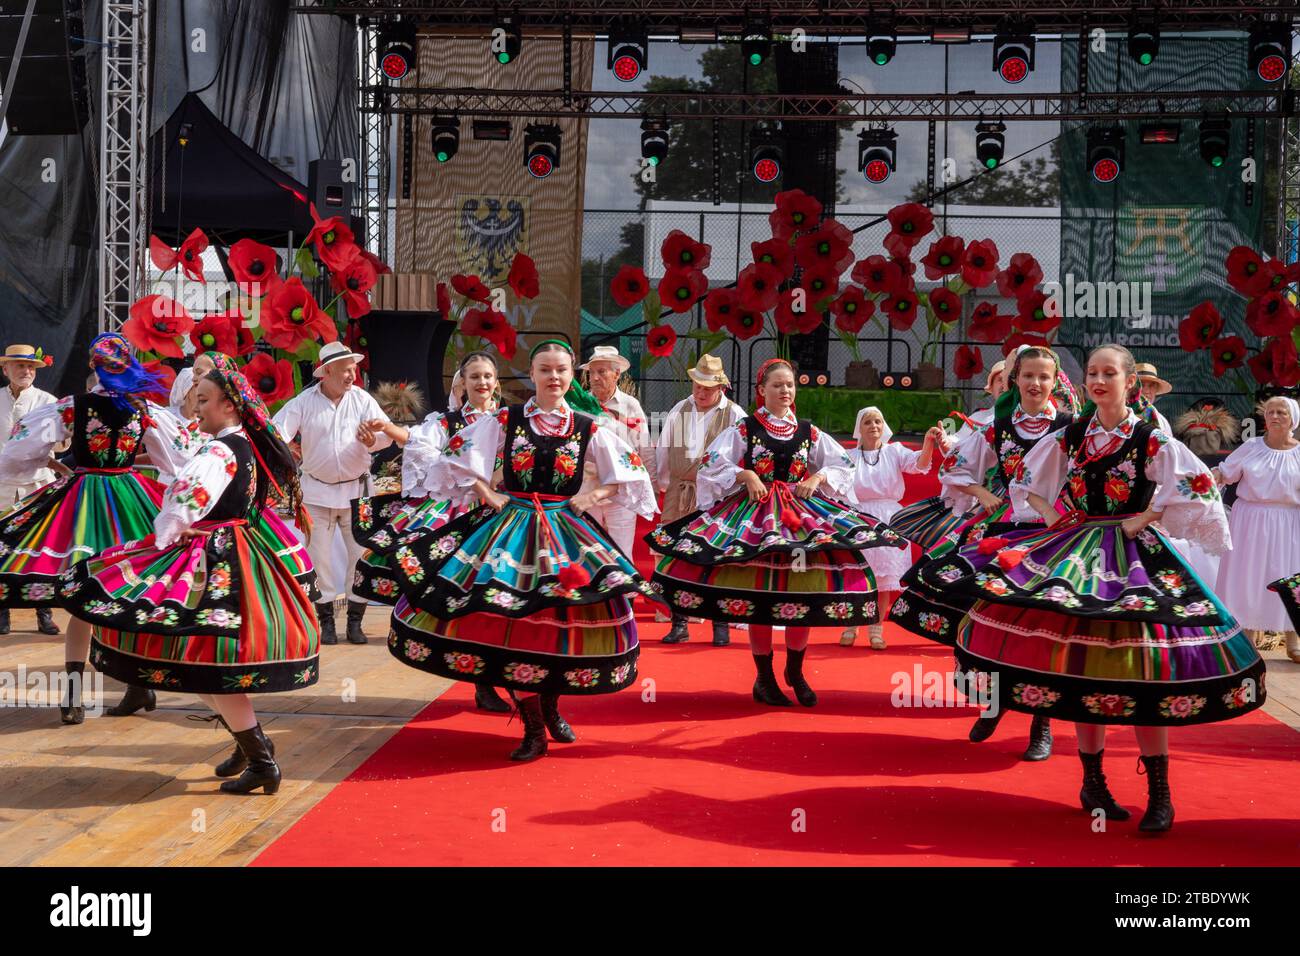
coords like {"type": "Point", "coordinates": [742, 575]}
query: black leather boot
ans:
{"type": "Point", "coordinates": [766, 689]}
{"type": "Point", "coordinates": [983, 727]}
{"type": "Point", "coordinates": [325, 614]}
{"type": "Point", "coordinates": [236, 762]}
{"type": "Point", "coordinates": [356, 610]}
{"type": "Point", "coordinates": [679, 633]}
{"type": "Point", "coordinates": [534, 744]}
{"type": "Point", "coordinates": [559, 728]}
{"type": "Point", "coordinates": [486, 698]}
{"type": "Point", "coordinates": [806, 696]}
{"type": "Point", "coordinates": [45, 621]}
{"type": "Point", "coordinates": [1040, 739]}
{"type": "Point", "coordinates": [71, 709]}
{"type": "Point", "coordinates": [1160, 807]}
{"type": "Point", "coordinates": [133, 700]}
{"type": "Point", "coordinates": [4, 620]}
{"type": "Point", "coordinates": [262, 770]}
{"type": "Point", "coordinates": [1095, 794]}
{"type": "Point", "coordinates": [721, 634]}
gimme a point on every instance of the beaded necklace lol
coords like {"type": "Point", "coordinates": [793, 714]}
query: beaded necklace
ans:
{"type": "Point", "coordinates": [778, 428]}
{"type": "Point", "coordinates": [543, 427]}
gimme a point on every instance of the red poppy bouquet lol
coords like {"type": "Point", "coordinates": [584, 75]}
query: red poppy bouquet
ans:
{"type": "Point", "coordinates": [480, 313]}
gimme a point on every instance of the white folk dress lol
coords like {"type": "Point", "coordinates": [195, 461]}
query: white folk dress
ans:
{"type": "Point", "coordinates": [878, 487]}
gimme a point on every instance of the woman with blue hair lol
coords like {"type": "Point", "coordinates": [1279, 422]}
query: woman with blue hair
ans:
{"type": "Point", "coordinates": [102, 503]}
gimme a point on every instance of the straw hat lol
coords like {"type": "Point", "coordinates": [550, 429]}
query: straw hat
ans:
{"type": "Point", "coordinates": [334, 352]}
{"type": "Point", "coordinates": [1146, 372]}
{"type": "Point", "coordinates": [26, 354]}
{"type": "Point", "coordinates": [995, 369]}
{"type": "Point", "coordinates": [607, 353]}
{"type": "Point", "coordinates": [708, 371]}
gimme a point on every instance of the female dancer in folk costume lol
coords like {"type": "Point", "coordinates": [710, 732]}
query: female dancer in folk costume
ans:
{"type": "Point", "coordinates": [878, 485]}
{"type": "Point", "coordinates": [1095, 618]}
{"type": "Point", "coordinates": [385, 522]}
{"type": "Point", "coordinates": [205, 605]}
{"type": "Point", "coordinates": [104, 502]}
{"type": "Point", "coordinates": [1039, 402]}
{"type": "Point", "coordinates": [1265, 522]}
{"type": "Point", "coordinates": [770, 547]}
{"type": "Point", "coordinates": [528, 592]}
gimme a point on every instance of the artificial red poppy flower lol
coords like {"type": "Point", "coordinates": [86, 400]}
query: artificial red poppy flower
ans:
{"type": "Point", "coordinates": [1020, 277]}
{"type": "Point", "coordinates": [523, 276]}
{"type": "Point", "coordinates": [661, 340]}
{"type": "Point", "coordinates": [1200, 328]}
{"type": "Point", "coordinates": [912, 221]}
{"type": "Point", "coordinates": [900, 306]}
{"type": "Point", "coordinates": [795, 211]}
{"type": "Point", "coordinates": [1277, 273]}
{"type": "Point", "coordinates": [852, 310]}
{"type": "Point", "coordinates": [898, 247]}
{"type": "Point", "coordinates": [1270, 314]}
{"type": "Point", "coordinates": [253, 265]}
{"type": "Point", "coordinates": [719, 306]}
{"type": "Point", "coordinates": [745, 323]}
{"type": "Point", "coordinates": [908, 268]}
{"type": "Point", "coordinates": [790, 321]}
{"type": "Point", "coordinates": [986, 325]}
{"type": "Point", "coordinates": [680, 251]}
{"type": "Point", "coordinates": [491, 325]}
{"type": "Point", "coordinates": [777, 253]}
{"type": "Point", "coordinates": [829, 246]}
{"type": "Point", "coordinates": [334, 242]}
{"type": "Point", "coordinates": [1276, 363]}
{"type": "Point", "coordinates": [759, 284]}
{"type": "Point", "coordinates": [819, 283]}
{"type": "Point", "coordinates": [189, 256]}
{"type": "Point", "coordinates": [1018, 339]}
{"type": "Point", "coordinates": [944, 304]}
{"type": "Point", "coordinates": [272, 379]}
{"type": "Point", "coordinates": [166, 376]}
{"type": "Point", "coordinates": [215, 333]}
{"type": "Point", "coordinates": [944, 257]}
{"type": "Point", "coordinates": [471, 287]}
{"type": "Point", "coordinates": [680, 289]}
{"type": "Point", "coordinates": [157, 324]}
{"type": "Point", "coordinates": [507, 342]}
{"type": "Point", "coordinates": [1246, 271]}
{"type": "Point", "coordinates": [1037, 314]}
{"type": "Point", "coordinates": [878, 274]}
{"type": "Point", "coordinates": [629, 286]}
{"type": "Point", "coordinates": [354, 282]}
{"type": "Point", "coordinates": [358, 343]}
{"type": "Point", "coordinates": [967, 362]}
{"type": "Point", "coordinates": [979, 264]}
{"type": "Point", "coordinates": [291, 316]}
{"type": "Point", "coordinates": [443, 300]}
{"type": "Point", "coordinates": [244, 341]}
{"type": "Point", "coordinates": [381, 267]}
{"type": "Point", "coordinates": [1228, 352]}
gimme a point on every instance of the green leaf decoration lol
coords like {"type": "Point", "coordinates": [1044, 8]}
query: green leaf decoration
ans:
{"type": "Point", "coordinates": [306, 263]}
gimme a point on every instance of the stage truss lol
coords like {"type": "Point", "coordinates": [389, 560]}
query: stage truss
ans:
{"type": "Point", "coordinates": [372, 196]}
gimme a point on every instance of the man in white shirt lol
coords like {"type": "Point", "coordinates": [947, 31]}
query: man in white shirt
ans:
{"type": "Point", "coordinates": [689, 429]}
{"type": "Point", "coordinates": [21, 397]}
{"type": "Point", "coordinates": [335, 470]}
{"type": "Point", "coordinates": [627, 418]}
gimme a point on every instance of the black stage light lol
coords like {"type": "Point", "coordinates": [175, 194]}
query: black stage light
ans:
{"type": "Point", "coordinates": [1106, 153]}
{"type": "Point", "coordinates": [990, 143]}
{"type": "Point", "coordinates": [507, 48]}
{"type": "Point", "coordinates": [396, 43]}
{"type": "Point", "coordinates": [446, 137]}
{"type": "Point", "coordinates": [756, 42]}
{"type": "Point", "coordinates": [1143, 37]}
{"type": "Point", "coordinates": [877, 154]}
{"type": "Point", "coordinates": [541, 150]}
{"type": "Point", "coordinates": [1216, 136]}
{"type": "Point", "coordinates": [628, 52]}
{"type": "Point", "coordinates": [1013, 50]}
{"type": "Point", "coordinates": [765, 156]}
{"type": "Point", "coordinates": [654, 141]}
{"type": "Point", "coordinates": [1270, 49]}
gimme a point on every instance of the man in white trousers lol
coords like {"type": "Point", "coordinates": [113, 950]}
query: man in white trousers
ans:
{"type": "Point", "coordinates": [335, 470]}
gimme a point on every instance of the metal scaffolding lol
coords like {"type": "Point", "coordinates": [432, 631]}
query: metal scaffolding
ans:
{"type": "Point", "coordinates": [372, 196]}
{"type": "Point", "coordinates": [123, 157]}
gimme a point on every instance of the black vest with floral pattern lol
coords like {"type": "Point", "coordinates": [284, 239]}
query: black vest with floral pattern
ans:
{"type": "Point", "coordinates": [775, 459]}
{"type": "Point", "coordinates": [103, 435]}
{"type": "Point", "coordinates": [540, 463]}
{"type": "Point", "coordinates": [238, 498]}
{"type": "Point", "coordinates": [1114, 484]}
{"type": "Point", "coordinates": [1011, 449]}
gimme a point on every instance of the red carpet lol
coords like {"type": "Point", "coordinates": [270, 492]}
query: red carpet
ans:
{"type": "Point", "coordinates": [701, 775]}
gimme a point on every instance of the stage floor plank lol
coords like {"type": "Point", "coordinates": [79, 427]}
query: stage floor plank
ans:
{"type": "Point", "coordinates": [140, 790]}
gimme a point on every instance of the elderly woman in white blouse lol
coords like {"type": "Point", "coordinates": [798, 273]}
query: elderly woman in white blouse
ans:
{"type": "Point", "coordinates": [1265, 522]}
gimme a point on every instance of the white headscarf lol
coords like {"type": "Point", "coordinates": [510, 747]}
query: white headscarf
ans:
{"type": "Point", "coordinates": [184, 379]}
{"type": "Point", "coordinates": [453, 400]}
{"type": "Point", "coordinates": [1294, 407]}
{"type": "Point", "coordinates": [885, 435]}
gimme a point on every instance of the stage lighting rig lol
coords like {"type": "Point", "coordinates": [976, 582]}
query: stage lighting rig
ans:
{"type": "Point", "coordinates": [446, 137]}
{"type": "Point", "coordinates": [628, 52]}
{"type": "Point", "coordinates": [1216, 137]}
{"type": "Point", "coordinates": [654, 141]}
{"type": "Point", "coordinates": [765, 155]}
{"type": "Point", "coordinates": [1144, 37]}
{"type": "Point", "coordinates": [877, 154]}
{"type": "Point", "coordinates": [990, 143]}
{"type": "Point", "coordinates": [541, 150]}
{"type": "Point", "coordinates": [1013, 50]}
{"type": "Point", "coordinates": [756, 42]}
{"type": "Point", "coordinates": [1106, 153]}
{"type": "Point", "coordinates": [397, 49]}
{"type": "Point", "coordinates": [507, 40]}
{"type": "Point", "coordinates": [1270, 49]}
{"type": "Point", "coordinates": [882, 43]}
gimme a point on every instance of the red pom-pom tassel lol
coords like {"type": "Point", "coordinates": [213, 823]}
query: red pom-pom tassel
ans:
{"type": "Point", "coordinates": [989, 545]}
{"type": "Point", "coordinates": [791, 520]}
{"type": "Point", "coordinates": [1009, 559]}
{"type": "Point", "coordinates": [574, 576]}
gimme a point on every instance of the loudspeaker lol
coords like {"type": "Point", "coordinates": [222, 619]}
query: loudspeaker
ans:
{"type": "Point", "coordinates": [409, 347]}
{"type": "Point", "coordinates": [325, 186]}
{"type": "Point", "coordinates": [818, 378]}
{"type": "Point", "coordinates": [900, 380]}
{"type": "Point", "coordinates": [49, 95]}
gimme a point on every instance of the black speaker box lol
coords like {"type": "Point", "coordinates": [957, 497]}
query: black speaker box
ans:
{"type": "Point", "coordinates": [49, 95]}
{"type": "Point", "coordinates": [409, 347]}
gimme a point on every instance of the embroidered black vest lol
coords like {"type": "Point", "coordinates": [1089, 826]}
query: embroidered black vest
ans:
{"type": "Point", "coordinates": [540, 463]}
{"type": "Point", "coordinates": [455, 422]}
{"type": "Point", "coordinates": [103, 435]}
{"type": "Point", "coordinates": [238, 498]}
{"type": "Point", "coordinates": [1114, 484]}
{"type": "Point", "coordinates": [1011, 449]}
{"type": "Point", "coordinates": [775, 459]}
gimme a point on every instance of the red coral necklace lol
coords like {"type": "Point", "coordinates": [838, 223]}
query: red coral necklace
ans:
{"type": "Point", "coordinates": [776, 427]}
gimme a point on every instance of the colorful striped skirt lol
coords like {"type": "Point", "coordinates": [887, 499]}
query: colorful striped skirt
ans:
{"type": "Point", "coordinates": [1288, 589]}
{"type": "Point", "coordinates": [927, 522]}
{"type": "Point", "coordinates": [383, 523]}
{"type": "Point", "coordinates": [67, 521]}
{"type": "Point", "coordinates": [220, 613]}
{"type": "Point", "coordinates": [778, 560]}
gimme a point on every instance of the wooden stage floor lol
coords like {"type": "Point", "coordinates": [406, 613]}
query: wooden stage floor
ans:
{"type": "Point", "coordinates": [139, 791]}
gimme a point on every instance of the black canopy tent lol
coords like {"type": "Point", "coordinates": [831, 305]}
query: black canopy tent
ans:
{"type": "Point", "coordinates": [218, 183]}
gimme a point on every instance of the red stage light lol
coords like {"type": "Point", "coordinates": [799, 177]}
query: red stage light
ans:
{"type": "Point", "coordinates": [876, 171]}
{"type": "Point", "coordinates": [395, 66]}
{"type": "Point", "coordinates": [766, 170]}
{"type": "Point", "coordinates": [540, 166]}
{"type": "Point", "coordinates": [1271, 68]}
{"type": "Point", "coordinates": [626, 68]}
{"type": "Point", "coordinates": [1014, 69]}
{"type": "Point", "coordinates": [1105, 170]}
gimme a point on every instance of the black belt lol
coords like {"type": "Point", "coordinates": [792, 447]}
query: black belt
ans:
{"type": "Point", "coordinates": [345, 481]}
